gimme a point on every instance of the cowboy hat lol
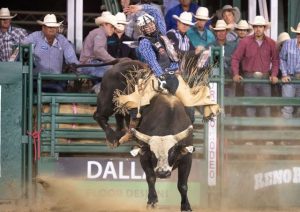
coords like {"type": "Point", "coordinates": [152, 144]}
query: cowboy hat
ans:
{"type": "Point", "coordinates": [235, 10]}
{"type": "Point", "coordinates": [121, 18]}
{"type": "Point", "coordinates": [260, 21]}
{"type": "Point", "coordinates": [185, 18]}
{"type": "Point", "coordinates": [220, 25]}
{"type": "Point", "coordinates": [50, 21]}
{"type": "Point", "coordinates": [202, 14]}
{"type": "Point", "coordinates": [243, 25]}
{"type": "Point", "coordinates": [5, 13]}
{"type": "Point", "coordinates": [296, 30]}
{"type": "Point", "coordinates": [107, 17]}
{"type": "Point", "coordinates": [282, 37]}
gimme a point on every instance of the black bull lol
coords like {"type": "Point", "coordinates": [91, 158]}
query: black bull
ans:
{"type": "Point", "coordinates": [165, 115]}
{"type": "Point", "coordinates": [162, 121]}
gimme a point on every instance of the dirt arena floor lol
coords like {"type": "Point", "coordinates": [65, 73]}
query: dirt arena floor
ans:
{"type": "Point", "coordinates": [61, 196]}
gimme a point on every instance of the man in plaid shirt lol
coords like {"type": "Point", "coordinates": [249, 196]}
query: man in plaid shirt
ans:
{"type": "Point", "coordinates": [10, 36]}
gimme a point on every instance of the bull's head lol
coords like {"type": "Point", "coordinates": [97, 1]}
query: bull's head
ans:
{"type": "Point", "coordinates": [161, 147]}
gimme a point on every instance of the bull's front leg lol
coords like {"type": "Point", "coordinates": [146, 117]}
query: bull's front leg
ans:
{"type": "Point", "coordinates": [184, 169]}
{"type": "Point", "coordinates": [151, 180]}
{"type": "Point", "coordinates": [110, 134]}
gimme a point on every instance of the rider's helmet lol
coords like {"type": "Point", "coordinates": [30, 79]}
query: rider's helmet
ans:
{"type": "Point", "coordinates": [146, 24]}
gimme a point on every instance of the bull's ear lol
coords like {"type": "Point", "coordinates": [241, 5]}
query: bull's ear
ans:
{"type": "Point", "coordinates": [187, 149]}
{"type": "Point", "coordinates": [141, 136]}
{"type": "Point", "coordinates": [182, 135]}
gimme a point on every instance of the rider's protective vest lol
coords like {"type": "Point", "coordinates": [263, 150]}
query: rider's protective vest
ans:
{"type": "Point", "coordinates": [164, 50]}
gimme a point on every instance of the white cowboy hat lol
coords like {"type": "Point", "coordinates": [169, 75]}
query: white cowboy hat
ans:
{"type": "Point", "coordinates": [121, 18]}
{"type": "Point", "coordinates": [100, 20]}
{"type": "Point", "coordinates": [296, 30]}
{"type": "Point", "coordinates": [243, 24]}
{"type": "Point", "coordinates": [282, 37]}
{"type": "Point", "coordinates": [108, 18]}
{"type": "Point", "coordinates": [50, 21]}
{"type": "Point", "coordinates": [202, 14]}
{"type": "Point", "coordinates": [260, 21]}
{"type": "Point", "coordinates": [235, 10]}
{"type": "Point", "coordinates": [185, 17]}
{"type": "Point", "coordinates": [5, 13]}
{"type": "Point", "coordinates": [220, 25]}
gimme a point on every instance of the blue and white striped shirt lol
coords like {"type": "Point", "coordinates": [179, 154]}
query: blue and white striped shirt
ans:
{"type": "Point", "coordinates": [290, 58]}
{"type": "Point", "coordinates": [47, 58]}
{"type": "Point", "coordinates": [149, 57]}
{"type": "Point", "coordinates": [180, 41]}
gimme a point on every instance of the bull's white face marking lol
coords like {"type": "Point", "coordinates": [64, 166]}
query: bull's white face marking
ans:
{"type": "Point", "coordinates": [160, 146]}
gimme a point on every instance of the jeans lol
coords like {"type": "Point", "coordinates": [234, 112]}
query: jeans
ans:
{"type": "Point", "coordinates": [257, 89]}
{"type": "Point", "coordinates": [289, 90]}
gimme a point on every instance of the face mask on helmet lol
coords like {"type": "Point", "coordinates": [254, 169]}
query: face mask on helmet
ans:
{"type": "Point", "coordinates": [146, 24]}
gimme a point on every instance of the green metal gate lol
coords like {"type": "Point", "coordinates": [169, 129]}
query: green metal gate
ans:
{"type": "Point", "coordinates": [11, 130]}
{"type": "Point", "coordinates": [15, 162]}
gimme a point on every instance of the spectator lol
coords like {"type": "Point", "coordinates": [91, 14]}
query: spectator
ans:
{"type": "Point", "coordinates": [221, 29]}
{"type": "Point", "coordinates": [242, 29]}
{"type": "Point", "coordinates": [115, 45]}
{"type": "Point", "coordinates": [290, 68]}
{"type": "Point", "coordinates": [185, 5]}
{"type": "Point", "coordinates": [257, 54]}
{"type": "Point", "coordinates": [94, 49]}
{"type": "Point", "coordinates": [231, 16]}
{"type": "Point", "coordinates": [10, 36]}
{"type": "Point", "coordinates": [50, 47]}
{"type": "Point", "coordinates": [50, 50]}
{"type": "Point", "coordinates": [178, 37]}
{"type": "Point", "coordinates": [200, 36]}
{"type": "Point", "coordinates": [282, 37]}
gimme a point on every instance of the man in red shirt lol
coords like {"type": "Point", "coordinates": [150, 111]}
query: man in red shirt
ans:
{"type": "Point", "coordinates": [259, 59]}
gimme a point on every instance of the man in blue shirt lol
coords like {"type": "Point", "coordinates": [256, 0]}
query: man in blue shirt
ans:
{"type": "Point", "coordinates": [290, 68]}
{"type": "Point", "coordinates": [51, 50]}
{"type": "Point", "coordinates": [185, 5]}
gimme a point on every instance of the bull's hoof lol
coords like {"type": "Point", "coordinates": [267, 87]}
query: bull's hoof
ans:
{"type": "Point", "coordinates": [111, 138]}
{"type": "Point", "coordinates": [185, 208]}
{"type": "Point", "coordinates": [152, 205]}
{"type": "Point", "coordinates": [112, 145]}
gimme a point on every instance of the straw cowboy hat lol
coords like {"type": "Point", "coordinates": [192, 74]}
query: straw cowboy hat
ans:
{"type": "Point", "coordinates": [185, 18]}
{"type": "Point", "coordinates": [121, 18]}
{"type": "Point", "coordinates": [282, 37]}
{"type": "Point", "coordinates": [260, 21]}
{"type": "Point", "coordinates": [50, 21]}
{"type": "Point", "coordinates": [220, 25]}
{"type": "Point", "coordinates": [235, 10]}
{"type": "Point", "coordinates": [296, 30]}
{"type": "Point", "coordinates": [243, 25]}
{"type": "Point", "coordinates": [5, 13]}
{"type": "Point", "coordinates": [107, 17]}
{"type": "Point", "coordinates": [202, 14]}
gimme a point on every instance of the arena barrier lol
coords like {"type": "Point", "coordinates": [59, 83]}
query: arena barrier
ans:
{"type": "Point", "coordinates": [234, 164]}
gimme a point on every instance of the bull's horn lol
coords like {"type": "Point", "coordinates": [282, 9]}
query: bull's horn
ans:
{"type": "Point", "coordinates": [182, 135]}
{"type": "Point", "coordinates": [141, 136]}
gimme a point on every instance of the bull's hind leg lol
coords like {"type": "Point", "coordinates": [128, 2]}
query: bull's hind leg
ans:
{"type": "Point", "coordinates": [184, 169]}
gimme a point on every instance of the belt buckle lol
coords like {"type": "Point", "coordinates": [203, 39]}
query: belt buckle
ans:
{"type": "Point", "coordinates": [258, 75]}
